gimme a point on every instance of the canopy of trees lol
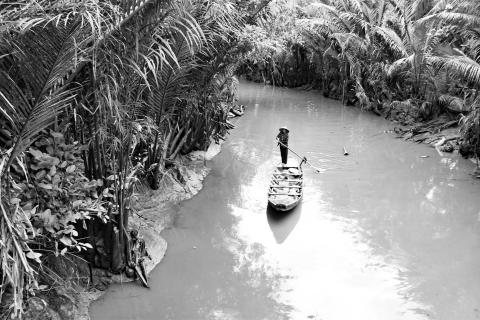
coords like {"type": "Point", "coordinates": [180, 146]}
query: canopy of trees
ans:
{"type": "Point", "coordinates": [423, 54]}
{"type": "Point", "coordinates": [94, 97]}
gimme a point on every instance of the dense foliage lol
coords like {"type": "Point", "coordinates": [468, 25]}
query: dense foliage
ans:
{"type": "Point", "coordinates": [95, 96]}
{"type": "Point", "coordinates": [420, 56]}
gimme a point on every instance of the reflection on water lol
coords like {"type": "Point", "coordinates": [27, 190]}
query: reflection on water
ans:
{"type": "Point", "coordinates": [324, 270]}
{"type": "Point", "coordinates": [282, 223]}
{"type": "Point", "coordinates": [381, 234]}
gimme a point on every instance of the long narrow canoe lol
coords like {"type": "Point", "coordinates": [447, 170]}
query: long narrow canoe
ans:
{"type": "Point", "coordinates": [286, 187]}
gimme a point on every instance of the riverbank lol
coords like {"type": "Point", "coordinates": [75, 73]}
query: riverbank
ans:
{"type": "Point", "coordinates": [154, 210]}
{"type": "Point", "coordinates": [389, 233]}
{"type": "Point", "coordinates": [441, 133]}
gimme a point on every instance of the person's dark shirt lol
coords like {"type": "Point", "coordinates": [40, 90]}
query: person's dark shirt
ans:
{"type": "Point", "coordinates": [283, 138]}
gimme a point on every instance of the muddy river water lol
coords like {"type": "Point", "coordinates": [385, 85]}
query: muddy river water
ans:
{"type": "Point", "coordinates": [391, 231]}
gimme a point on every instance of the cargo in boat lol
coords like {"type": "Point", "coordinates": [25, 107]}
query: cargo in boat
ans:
{"type": "Point", "coordinates": [286, 187]}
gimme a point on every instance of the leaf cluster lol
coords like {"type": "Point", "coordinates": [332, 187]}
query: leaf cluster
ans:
{"type": "Point", "coordinates": [55, 196]}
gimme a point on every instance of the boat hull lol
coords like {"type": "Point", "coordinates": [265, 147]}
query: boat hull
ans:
{"type": "Point", "coordinates": [283, 207]}
{"type": "Point", "coordinates": [286, 188]}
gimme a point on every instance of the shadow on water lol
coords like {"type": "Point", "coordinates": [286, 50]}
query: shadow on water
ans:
{"type": "Point", "coordinates": [283, 223]}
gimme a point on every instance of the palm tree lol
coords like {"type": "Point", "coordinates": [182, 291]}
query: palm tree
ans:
{"type": "Point", "coordinates": [357, 34]}
{"type": "Point", "coordinates": [117, 76]}
{"type": "Point", "coordinates": [36, 86]}
{"type": "Point", "coordinates": [393, 49]}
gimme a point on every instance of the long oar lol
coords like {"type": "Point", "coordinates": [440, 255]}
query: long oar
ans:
{"type": "Point", "coordinates": [303, 158]}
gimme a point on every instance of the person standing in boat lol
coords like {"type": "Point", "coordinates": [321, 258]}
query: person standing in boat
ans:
{"type": "Point", "coordinates": [282, 139]}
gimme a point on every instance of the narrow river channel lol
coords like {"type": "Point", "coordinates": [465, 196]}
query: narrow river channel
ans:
{"type": "Point", "coordinates": [382, 234]}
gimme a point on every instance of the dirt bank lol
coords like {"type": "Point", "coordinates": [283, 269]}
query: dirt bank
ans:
{"type": "Point", "coordinates": [441, 133]}
{"type": "Point", "coordinates": [154, 210]}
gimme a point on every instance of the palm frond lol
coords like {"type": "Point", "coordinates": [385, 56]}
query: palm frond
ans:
{"type": "Point", "coordinates": [353, 6]}
{"type": "Point", "coordinates": [330, 12]}
{"type": "Point", "coordinates": [392, 39]}
{"type": "Point", "coordinates": [16, 269]}
{"type": "Point", "coordinates": [21, 16]}
{"type": "Point", "coordinates": [380, 11]}
{"type": "Point", "coordinates": [351, 42]}
{"type": "Point", "coordinates": [466, 20]}
{"type": "Point", "coordinates": [401, 65]}
{"type": "Point", "coordinates": [172, 79]}
{"type": "Point", "coordinates": [452, 102]}
{"type": "Point", "coordinates": [473, 43]}
{"type": "Point", "coordinates": [397, 8]}
{"type": "Point", "coordinates": [45, 61]}
{"type": "Point", "coordinates": [459, 65]}
{"type": "Point", "coordinates": [417, 9]}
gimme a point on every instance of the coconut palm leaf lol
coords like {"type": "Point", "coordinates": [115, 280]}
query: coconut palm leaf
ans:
{"type": "Point", "coordinates": [45, 57]}
{"type": "Point", "coordinates": [401, 65]}
{"type": "Point", "coordinates": [21, 16]}
{"type": "Point", "coordinates": [351, 42]}
{"type": "Point", "coordinates": [223, 80]}
{"type": "Point", "coordinates": [467, 20]}
{"type": "Point", "coordinates": [452, 102]}
{"type": "Point", "coordinates": [393, 40]}
{"type": "Point", "coordinates": [188, 36]}
{"type": "Point", "coordinates": [459, 65]}
{"type": "Point", "coordinates": [172, 78]}
{"type": "Point", "coordinates": [332, 14]}
{"type": "Point", "coordinates": [473, 43]}
{"type": "Point", "coordinates": [222, 17]}
{"type": "Point", "coordinates": [380, 11]}
{"type": "Point", "coordinates": [417, 9]}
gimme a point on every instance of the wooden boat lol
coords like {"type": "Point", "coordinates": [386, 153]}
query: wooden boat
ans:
{"type": "Point", "coordinates": [286, 187]}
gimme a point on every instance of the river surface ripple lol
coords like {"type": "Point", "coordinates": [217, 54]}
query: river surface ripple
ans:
{"type": "Point", "coordinates": [381, 234]}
